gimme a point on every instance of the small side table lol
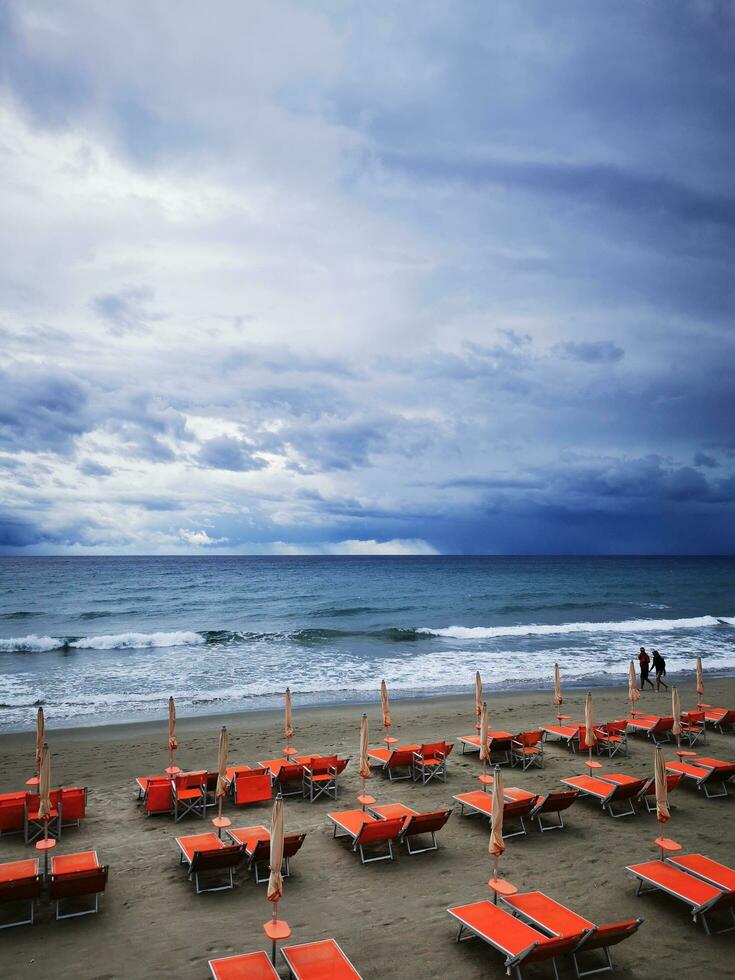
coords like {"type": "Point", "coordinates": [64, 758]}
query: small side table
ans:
{"type": "Point", "coordinates": [366, 800]}
{"type": "Point", "coordinates": [289, 751]}
{"type": "Point", "coordinates": [32, 784]}
{"type": "Point", "coordinates": [593, 764]}
{"type": "Point", "coordinates": [390, 741]}
{"type": "Point", "coordinates": [498, 886]}
{"type": "Point", "coordinates": [45, 846]}
{"type": "Point", "coordinates": [667, 845]}
{"type": "Point", "coordinates": [561, 718]}
{"type": "Point", "coordinates": [173, 771]}
{"type": "Point", "coordinates": [487, 780]}
{"type": "Point", "coordinates": [276, 930]}
{"type": "Point", "coordinates": [686, 754]}
{"type": "Point", "coordinates": [220, 823]}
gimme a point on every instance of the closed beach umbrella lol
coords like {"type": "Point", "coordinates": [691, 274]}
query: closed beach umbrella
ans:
{"type": "Point", "coordinates": [44, 786]}
{"type": "Point", "coordinates": [385, 704]}
{"type": "Point", "coordinates": [589, 723]}
{"type": "Point", "coordinates": [484, 747]}
{"type": "Point", "coordinates": [172, 743]}
{"type": "Point", "coordinates": [558, 699]}
{"type": "Point", "coordinates": [662, 795]}
{"type": "Point", "coordinates": [275, 881]}
{"type": "Point", "coordinates": [700, 678]}
{"type": "Point", "coordinates": [676, 713]}
{"type": "Point", "coordinates": [288, 726]}
{"type": "Point", "coordinates": [40, 735]}
{"type": "Point", "coordinates": [633, 693]}
{"type": "Point", "coordinates": [478, 694]}
{"type": "Point", "coordinates": [364, 761]}
{"type": "Point", "coordinates": [497, 845]}
{"type": "Point", "coordinates": [224, 746]}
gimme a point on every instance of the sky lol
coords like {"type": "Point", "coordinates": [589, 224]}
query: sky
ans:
{"type": "Point", "coordinates": [346, 278]}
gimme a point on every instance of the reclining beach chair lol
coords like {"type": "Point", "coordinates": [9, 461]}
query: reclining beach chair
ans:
{"type": "Point", "coordinates": [158, 795]}
{"type": "Point", "coordinates": [204, 853]}
{"type": "Point", "coordinates": [33, 826]}
{"type": "Point", "coordinates": [76, 876]}
{"type": "Point", "coordinates": [648, 794]}
{"type": "Point", "coordinates": [657, 729]}
{"type": "Point", "coordinates": [704, 773]}
{"type": "Point", "coordinates": [693, 727]}
{"type": "Point", "coordinates": [607, 792]}
{"type": "Point", "coordinates": [12, 813]}
{"type": "Point", "coordinates": [20, 883]}
{"type": "Point", "coordinates": [189, 794]}
{"type": "Point", "coordinates": [612, 737]}
{"type": "Point", "coordinates": [244, 966]}
{"type": "Point", "coordinates": [498, 744]}
{"type": "Point", "coordinates": [719, 875]}
{"type": "Point", "coordinates": [73, 805]}
{"type": "Point", "coordinates": [702, 897]}
{"type": "Point", "coordinates": [527, 749]}
{"type": "Point", "coordinates": [365, 830]}
{"type": "Point", "coordinates": [568, 734]}
{"type": "Point", "coordinates": [324, 960]}
{"type": "Point", "coordinates": [287, 777]}
{"type": "Point", "coordinates": [557, 920]}
{"type": "Point", "coordinates": [252, 786]}
{"type": "Point", "coordinates": [549, 803]}
{"type": "Point", "coordinates": [430, 762]}
{"type": "Point", "coordinates": [415, 824]}
{"type": "Point", "coordinates": [257, 844]}
{"type": "Point", "coordinates": [320, 777]}
{"type": "Point", "coordinates": [397, 762]}
{"type": "Point", "coordinates": [518, 942]}
{"type": "Point", "coordinates": [517, 804]}
{"type": "Point", "coordinates": [723, 719]}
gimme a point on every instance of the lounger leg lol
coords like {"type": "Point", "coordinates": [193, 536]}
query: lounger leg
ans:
{"type": "Point", "coordinates": [714, 796]}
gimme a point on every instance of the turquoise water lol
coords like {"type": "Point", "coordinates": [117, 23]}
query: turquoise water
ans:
{"type": "Point", "coordinates": [103, 639]}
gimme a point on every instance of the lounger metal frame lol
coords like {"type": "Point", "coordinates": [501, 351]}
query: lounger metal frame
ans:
{"type": "Point", "coordinates": [476, 811]}
{"type": "Point", "coordinates": [198, 890]}
{"type": "Point", "coordinates": [708, 776]}
{"type": "Point", "coordinates": [696, 912]}
{"type": "Point", "coordinates": [196, 805]}
{"type": "Point", "coordinates": [21, 901]}
{"type": "Point", "coordinates": [419, 769]}
{"type": "Point", "coordinates": [355, 846]}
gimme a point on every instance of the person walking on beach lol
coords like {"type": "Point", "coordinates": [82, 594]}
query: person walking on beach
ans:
{"type": "Point", "coordinates": [659, 665]}
{"type": "Point", "coordinates": [645, 661]}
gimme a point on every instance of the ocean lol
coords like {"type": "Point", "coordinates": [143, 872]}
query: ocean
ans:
{"type": "Point", "coordinates": [99, 640]}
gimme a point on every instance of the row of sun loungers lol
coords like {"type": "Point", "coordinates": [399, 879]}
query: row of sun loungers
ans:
{"type": "Point", "coordinates": [72, 877]}
{"type": "Point", "coordinates": [206, 853]}
{"type": "Point", "coordinates": [19, 812]}
{"type": "Point", "coordinates": [324, 960]}
{"type": "Point", "coordinates": [704, 885]}
{"type": "Point", "coordinates": [382, 826]}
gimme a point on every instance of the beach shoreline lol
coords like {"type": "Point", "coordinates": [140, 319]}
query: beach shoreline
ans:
{"type": "Point", "coordinates": [330, 894]}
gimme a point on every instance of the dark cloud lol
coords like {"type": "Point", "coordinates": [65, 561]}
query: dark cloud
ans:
{"type": "Point", "coordinates": [591, 352]}
{"type": "Point", "coordinates": [127, 310]}
{"type": "Point", "coordinates": [704, 459]}
{"type": "Point", "coordinates": [226, 453]}
{"type": "Point", "coordinates": [91, 468]}
{"type": "Point", "coordinates": [42, 411]}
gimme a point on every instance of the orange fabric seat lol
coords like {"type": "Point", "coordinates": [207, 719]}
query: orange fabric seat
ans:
{"type": "Point", "coordinates": [66, 863]}
{"type": "Point", "coordinates": [364, 829]}
{"type": "Point", "coordinates": [246, 966]}
{"type": "Point", "coordinates": [608, 792]}
{"type": "Point", "coordinates": [75, 876]}
{"type": "Point", "coordinates": [198, 842]}
{"type": "Point", "coordinates": [12, 812]}
{"type": "Point", "coordinates": [702, 897]}
{"type": "Point", "coordinates": [324, 960]}
{"type": "Point", "coordinates": [705, 868]}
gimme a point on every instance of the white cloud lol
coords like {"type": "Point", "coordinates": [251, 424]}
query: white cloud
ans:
{"type": "Point", "coordinates": [199, 538]}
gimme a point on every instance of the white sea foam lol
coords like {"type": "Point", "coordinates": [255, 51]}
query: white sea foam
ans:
{"type": "Point", "coordinates": [622, 626]}
{"type": "Point", "coordinates": [123, 641]}
{"type": "Point", "coordinates": [29, 644]}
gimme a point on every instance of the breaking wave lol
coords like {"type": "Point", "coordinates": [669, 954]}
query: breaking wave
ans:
{"type": "Point", "coordinates": [623, 626]}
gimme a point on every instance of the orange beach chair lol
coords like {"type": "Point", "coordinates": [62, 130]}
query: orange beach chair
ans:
{"type": "Point", "coordinates": [555, 802]}
{"type": "Point", "coordinates": [498, 743]}
{"type": "Point", "coordinates": [527, 749]}
{"type": "Point", "coordinates": [287, 777]}
{"type": "Point", "coordinates": [365, 830]}
{"type": "Point", "coordinates": [393, 761]}
{"type": "Point", "coordinates": [705, 772]}
{"type": "Point", "coordinates": [189, 794]}
{"type": "Point", "coordinates": [257, 844]}
{"type": "Point", "coordinates": [723, 719]}
{"type": "Point", "coordinates": [415, 824]}
{"type": "Point", "coordinates": [324, 960]}
{"type": "Point", "coordinates": [12, 813]}
{"type": "Point", "coordinates": [75, 876]}
{"type": "Point", "coordinates": [20, 883]}
{"type": "Point", "coordinates": [245, 966]}
{"type": "Point", "coordinates": [518, 942]}
{"type": "Point", "coordinates": [203, 853]}
{"type": "Point", "coordinates": [675, 877]}
{"type": "Point", "coordinates": [517, 804]}
{"type": "Point", "coordinates": [657, 729]}
{"type": "Point", "coordinates": [557, 920]}
{"type": "Point", "coordinates": [252, 786]}
{"type": "Point", "coordinates": [569, 734]}
{"type": "Point", "coordinates": [430, 761]}
{"type": "Point", "coordinates": [612, 737]}
{"type": "Point", "coordinates": [33, 826]}
{"type": "Point", "coordinates": [693, 727]}
{"type": "Point", "coordinates": [623, 790]}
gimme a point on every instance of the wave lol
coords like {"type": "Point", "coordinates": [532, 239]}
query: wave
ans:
{"type": "Point", "coordinates": [119, 641]}
{"type": "Point", "coordinates": [623, 626]}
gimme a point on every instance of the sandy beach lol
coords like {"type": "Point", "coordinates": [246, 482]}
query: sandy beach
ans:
{"type": "Point", "coordinates": [390, 917]}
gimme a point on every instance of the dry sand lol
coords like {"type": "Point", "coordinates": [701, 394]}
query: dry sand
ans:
{"type": "Point", "coordinates": [390, 917]}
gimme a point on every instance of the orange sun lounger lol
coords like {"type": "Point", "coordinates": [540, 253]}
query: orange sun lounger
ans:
{"type": "Point", "coordinates": [569, 734]}
{"type": "Point", "coordinates": [415, 824]}
{"type": "Point", "coordinates": [394, 761]}
{"type": "Point", "coordinates": [705, 772]}
{"type": "Point", "coordinates": [498, 743]}
{"type": "Point", "coordinates": [245, 966]}
{"type": "Point", "coordinates": [557, 920]}
{"type": "Point", "coordinates": [364, 830]}
{"type": "Point", "coordinates": [12, 813]}
{"type": "Point", "coordinates": [723, 719]}
{"type": "Point", "coordinates": [648, 793]}
{"type": "Point", "coordinates": [518, 803]}
{"type": "Point", "coordinates": [555, 802]}
{"type": "Point", "coordinates": [257, 844]}
{"type": "Point", "coordinates": [287, 777]}
{"type": "Point", "coordinates": [75, 876]}
{"type": "Point", "coordinates": [21, 882]}
{"type": "Point", "coordinates": [206, 852]}
{"type": "Point", "coordinates": [702, 897]}
{"type": "Point", "coordinates": [252, 786]}
{"type": "Point", "coordinates": [623, 790]}
{"type": "Point", "coordinates": [324, 960]}
{"type": "Point", "coordinates": [518, 942]}
{"type": "Point", "coordinates": [430, 761]}
{"type": "Point", "coordinates": [657, 729]}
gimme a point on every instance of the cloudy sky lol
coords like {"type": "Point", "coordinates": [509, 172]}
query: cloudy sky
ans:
{"type": "Point", "coordinates": [340, 277]}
